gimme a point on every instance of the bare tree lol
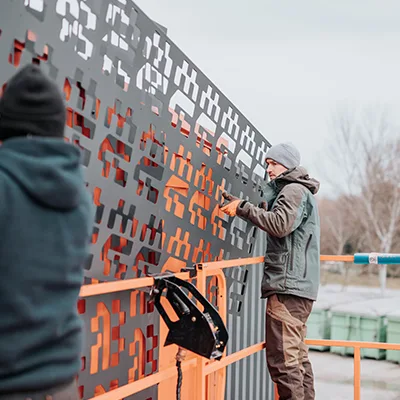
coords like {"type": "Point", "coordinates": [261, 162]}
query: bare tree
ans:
{"type": "Point", "coordinates": [381, 197]}
{"type": "Point", "coordinates": [364, 169]}
{"type": "Point", "coordinates": [338, 228]}
{"type": "Point", "coordinates": [340, 231]}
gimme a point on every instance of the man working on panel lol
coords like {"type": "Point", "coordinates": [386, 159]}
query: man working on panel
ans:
{"type": "Point", "coordinates": [291, 268]}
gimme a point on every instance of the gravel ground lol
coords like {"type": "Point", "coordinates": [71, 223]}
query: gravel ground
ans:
{"type": "Point", "coordinates": [334, 378]}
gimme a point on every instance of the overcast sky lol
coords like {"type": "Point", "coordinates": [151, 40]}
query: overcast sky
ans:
{"type": "Point", "coordinates": [288, 64]}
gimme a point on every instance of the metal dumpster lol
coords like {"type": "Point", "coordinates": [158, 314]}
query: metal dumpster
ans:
{"type": "Point", "coordinates": [319, 322]}
{"type": "Point", "coordinates": [362, 321]}
{"type": "Point", "coordinates": [393, 335]}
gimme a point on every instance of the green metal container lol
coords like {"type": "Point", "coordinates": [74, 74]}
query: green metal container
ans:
{"type": "Point", "coordinates": [318, 327]}
{"type": "Point", "coordinates": [319, 321]}
{"type": "Point", "coordinates": [393, 335]}
{"type": "Point", "coordinates": [362, 321]}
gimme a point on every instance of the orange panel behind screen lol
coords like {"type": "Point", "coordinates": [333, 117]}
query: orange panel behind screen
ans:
{"type": "Point", "coordinates": [167, 388]}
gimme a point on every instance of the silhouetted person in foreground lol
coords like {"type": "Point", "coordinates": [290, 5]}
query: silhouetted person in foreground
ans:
{"type": "Point", "coordinates": [46, 218]}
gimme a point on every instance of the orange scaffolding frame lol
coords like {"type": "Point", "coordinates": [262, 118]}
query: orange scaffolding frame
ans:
{"type": "Point", "coordinates": [204, 368]}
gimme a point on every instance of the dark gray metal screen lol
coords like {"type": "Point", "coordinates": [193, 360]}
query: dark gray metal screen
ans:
{"type": "Point", "coordinates": [160, 143]}
{"type": "Point", "coordinates": [248, 378]}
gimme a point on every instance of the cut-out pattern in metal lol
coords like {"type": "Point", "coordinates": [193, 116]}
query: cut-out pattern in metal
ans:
{"type": "Point", "coordinates": [159, 145]}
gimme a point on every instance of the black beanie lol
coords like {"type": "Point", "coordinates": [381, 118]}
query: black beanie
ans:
{"type": "Point", "coordinates": [32, 104]}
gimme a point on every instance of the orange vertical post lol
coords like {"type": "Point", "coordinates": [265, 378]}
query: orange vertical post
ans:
{"type": "Point", "coordinates": [200, 370]}
{"type": "Point", "coordinates": [167, 387]}
{"type": "Point", "coordinates": [357, 374]}
{"type": "Point", "coordinates": [220, 375]}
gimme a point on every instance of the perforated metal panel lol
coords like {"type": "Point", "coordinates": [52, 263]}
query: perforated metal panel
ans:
{"type": "Point", "coordinates": [159, 144]}
{"type": "Point", "coordinates": [248, 378]}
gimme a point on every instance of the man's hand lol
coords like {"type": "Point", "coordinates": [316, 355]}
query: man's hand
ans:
{"type": "Point", "coordinates": [231, 207]}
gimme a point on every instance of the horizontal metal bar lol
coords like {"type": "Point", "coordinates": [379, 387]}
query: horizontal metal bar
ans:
{"type": "Point", "coordinates": [337, 258]}
{"type": "Point", "coordinates": [348, 343]}
{"type": "Point", "coordinates": [130, 284]}
{"type": "Point", "coordinates": [238, 262]}
{"type": "Point", "coordinates": [121, 285]}
{"type": "Point", "coordinates": [144, 383]}
{"type": "Point", "coordinates": [148, 381]}
{"type": "Point", "coordinates": [376, 258]}
{"type": "Point", "coordinates": [232, 358]}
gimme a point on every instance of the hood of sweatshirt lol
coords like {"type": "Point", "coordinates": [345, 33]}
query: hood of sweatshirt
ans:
{"type": "Point", "coordinates": [297, 175]}
{"type": "Point", "coordinates": [47, 169]}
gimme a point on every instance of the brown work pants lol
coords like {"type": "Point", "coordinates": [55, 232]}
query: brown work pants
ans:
{"type": "Point", "coordinates": [287, 354]}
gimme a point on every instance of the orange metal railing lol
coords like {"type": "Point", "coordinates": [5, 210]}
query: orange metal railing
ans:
{"type": "Point", "coordinates": [357, 356]}
{"type": "Point", "coordinates": [203, 369]}
{"type": "Point", "coordinates": [337, 258]}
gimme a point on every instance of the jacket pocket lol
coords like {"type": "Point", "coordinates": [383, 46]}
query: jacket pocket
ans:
{"type": "Point", "coordinates": [291, 266]}
{"type": "Point", "coordinates": [305, 256]}
{"type": "Point", "coordinates": [275, 269]}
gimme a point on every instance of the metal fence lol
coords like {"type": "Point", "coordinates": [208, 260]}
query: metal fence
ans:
{"type": "Point", "coordinates": [159, 144]}
{"type": "Point", "coordinates": [249, 378]}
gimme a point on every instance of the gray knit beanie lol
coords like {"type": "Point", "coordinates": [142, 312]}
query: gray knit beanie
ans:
{"type": "Point", "coordinates": [285, 154]}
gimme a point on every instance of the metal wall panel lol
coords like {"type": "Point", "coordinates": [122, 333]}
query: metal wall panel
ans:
{"type": "Point", "coordinates": [248, 378]}
{"type": "Point", "coordinates": [159, 144]}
